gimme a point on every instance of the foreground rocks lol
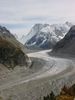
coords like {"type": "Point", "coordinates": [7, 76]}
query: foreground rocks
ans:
{"type": "Point", "coordinates": [67, 93]}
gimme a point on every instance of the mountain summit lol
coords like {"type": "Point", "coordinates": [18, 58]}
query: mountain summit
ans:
{"type": "Point", "coordinates": [45, 36]}
{"type": "Point", "coordinates": [5, 33]}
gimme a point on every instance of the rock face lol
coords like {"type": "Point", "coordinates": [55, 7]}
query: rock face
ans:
{"type": "Point", "coordinates": [5, 33]}
{"type": "Point", "coordinates": [45, 36]}
{"type": "Point", "coordinates": [11, 51]}
{"type": "Point", "coordinates": [67, 44]}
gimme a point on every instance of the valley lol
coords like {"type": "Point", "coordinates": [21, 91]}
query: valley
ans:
{"type": "Point", "coordinates": [54, 73]}
{"type": "Point", "coordinates": [37, 49]}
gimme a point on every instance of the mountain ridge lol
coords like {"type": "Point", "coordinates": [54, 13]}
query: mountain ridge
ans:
{"type": "Point", "coordinates": [45, 36]}
{"type": "Point", "coordinates": [12, 52]}
{"type": "Point", "coordinates": [66, 45]}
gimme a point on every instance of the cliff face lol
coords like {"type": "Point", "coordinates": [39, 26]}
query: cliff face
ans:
{"type": "Point", "coordinates": [11, 51]}
{"type": "Point", "coordinates": [67, 44]}
{"type": "Point", "coordinates": [10, 55]}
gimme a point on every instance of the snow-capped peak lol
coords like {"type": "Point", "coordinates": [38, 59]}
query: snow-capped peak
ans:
{"type": "Point", "coordinates": [45, 34]}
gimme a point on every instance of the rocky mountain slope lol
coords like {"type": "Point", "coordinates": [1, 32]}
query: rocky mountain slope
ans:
{"type": "Point", "coordinates": [67, 44]}
{"type": "Point", "coordinates": [45, 36]}
{"type": "Point", "coordinates": [4, 33]}
{"type": "Point", "coordinates": [11, 51]}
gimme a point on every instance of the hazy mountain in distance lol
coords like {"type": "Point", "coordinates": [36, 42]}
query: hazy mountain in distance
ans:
{"type": "Point", "coordinates": [67, 44]}
{"type": "Point", "coordinates": [11, 51]}
{"type": "Point", "coordinates": [45, 36]}
{"type": "Point", "coordinates": [16, 36]}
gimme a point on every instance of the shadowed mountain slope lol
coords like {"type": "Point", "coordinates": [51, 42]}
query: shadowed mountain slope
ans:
{"type": "Point", "coordinates": [11, 51]}
{"type": "Point", "coordinates": [67, 44]}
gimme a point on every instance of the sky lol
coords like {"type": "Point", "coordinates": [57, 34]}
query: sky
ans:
{"type": "Point", "coordinates": [20, 15]}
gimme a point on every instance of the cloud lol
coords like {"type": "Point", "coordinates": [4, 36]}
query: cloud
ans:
{"type": "Point", "coordinates": [20, 15]}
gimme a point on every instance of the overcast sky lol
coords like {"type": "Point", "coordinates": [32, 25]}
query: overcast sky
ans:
{"type": "Point", "coordinates": [20, 15]}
